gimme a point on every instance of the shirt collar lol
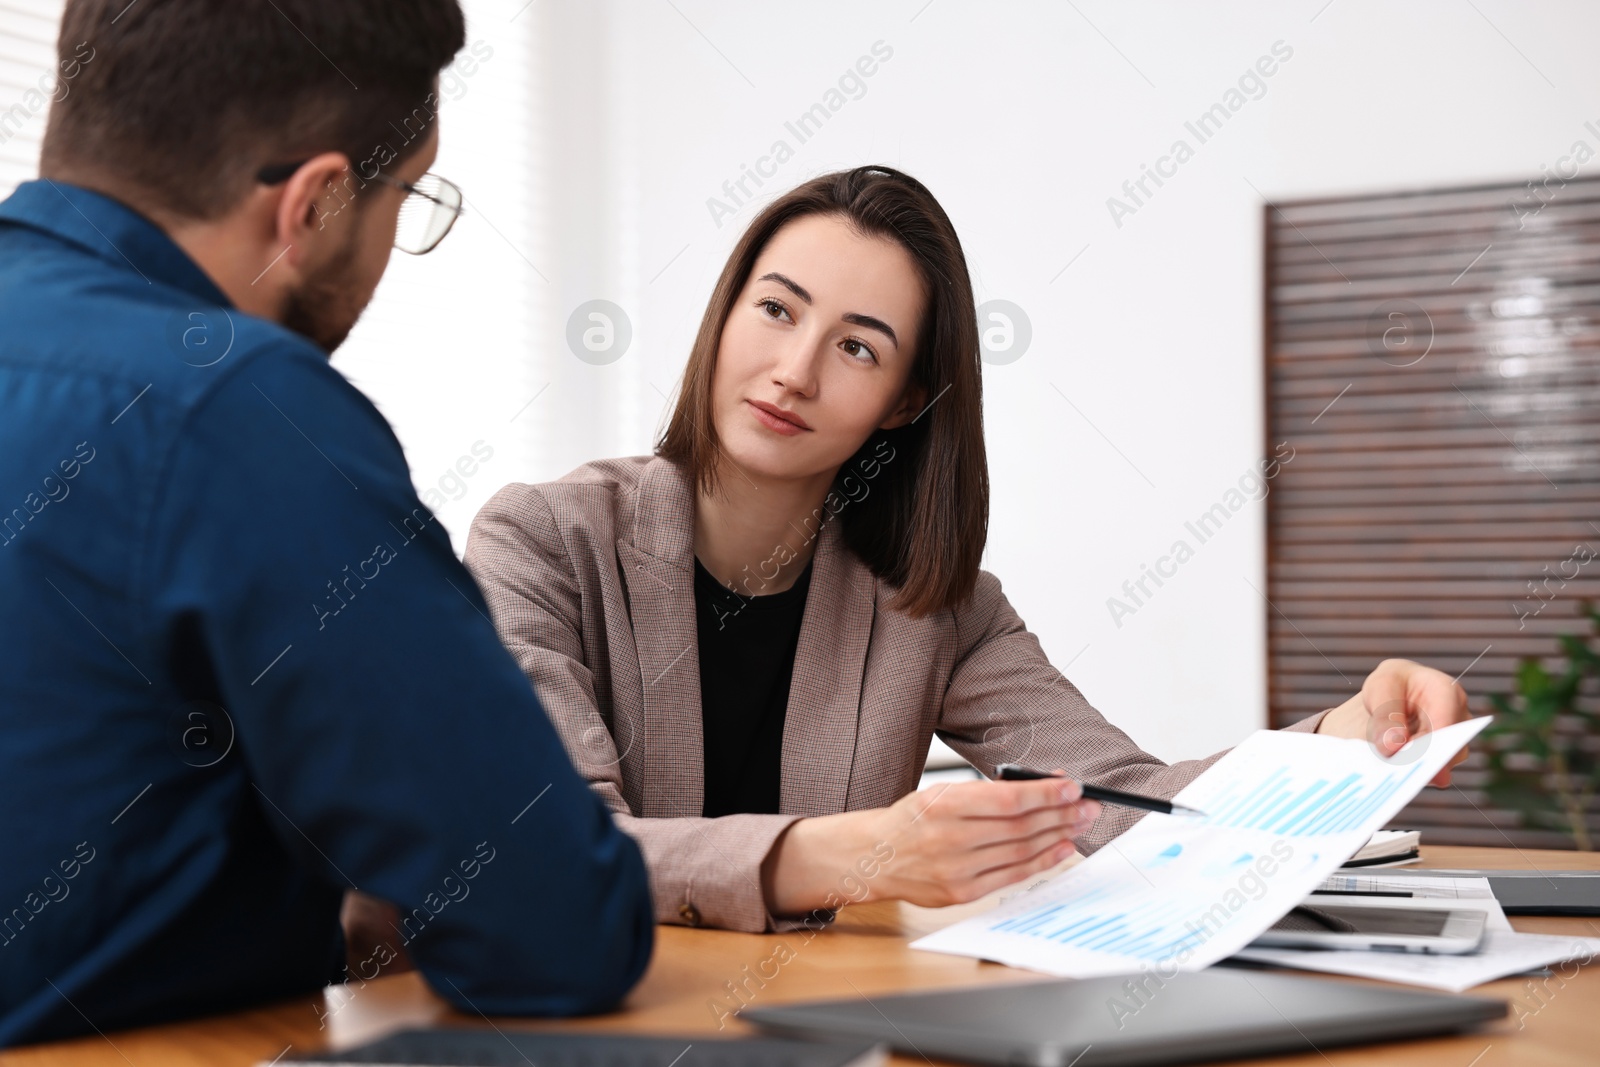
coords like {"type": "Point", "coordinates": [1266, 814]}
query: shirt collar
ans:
{"type": "Point", "coordinates": [110, 230]}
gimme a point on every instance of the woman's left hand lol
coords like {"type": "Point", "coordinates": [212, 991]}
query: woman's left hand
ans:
{"type": "Point", "coordinates": [1398, 701]}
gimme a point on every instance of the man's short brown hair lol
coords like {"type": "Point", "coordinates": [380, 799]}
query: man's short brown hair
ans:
{"type": "Point", "coordinates": [185, 100]}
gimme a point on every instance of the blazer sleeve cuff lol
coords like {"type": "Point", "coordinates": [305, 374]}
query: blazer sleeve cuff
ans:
{"type": "Point", "coordinates": [707, 872]}
{"type": "Point", "coordinates": [1309, 724]}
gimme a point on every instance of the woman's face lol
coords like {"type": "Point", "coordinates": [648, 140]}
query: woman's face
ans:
{"type": "Point", "coordinates": [816, 352]}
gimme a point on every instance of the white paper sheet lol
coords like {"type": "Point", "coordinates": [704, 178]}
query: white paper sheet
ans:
{"type": "Point", "coordinates": [1283, 810]}
{"type": "Point", "coordinates": [1427, 888]}
{"type": "Point", "coordinates": [1502, 952]}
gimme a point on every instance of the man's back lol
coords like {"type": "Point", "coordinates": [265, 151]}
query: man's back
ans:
{"type": "Point", "coordinates": [244, 672]}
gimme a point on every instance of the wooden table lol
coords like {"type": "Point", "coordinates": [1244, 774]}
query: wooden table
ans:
{"type": "Point", "coordinates": [690, 989]}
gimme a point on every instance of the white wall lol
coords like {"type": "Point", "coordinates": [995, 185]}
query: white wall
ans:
{"type": "Point", "coordinates": [1024, 118]}
{"type": "Point", "coordinates": [589, 144]}
{"type": "Point", "coordinates": [27, 82]}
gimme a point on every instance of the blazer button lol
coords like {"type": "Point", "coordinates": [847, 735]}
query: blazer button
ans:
{"type": "Point", "coordinates": [689, 914]}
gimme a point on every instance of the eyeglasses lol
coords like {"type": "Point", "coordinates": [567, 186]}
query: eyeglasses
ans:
{"type": "Point", "coordinates": [431, 206]}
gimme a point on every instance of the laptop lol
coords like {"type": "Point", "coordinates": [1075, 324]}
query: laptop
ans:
{"type": "Point", "coordinates": [1133, 1019]}
{"type": "Point", "coordinates": [484, 1047]}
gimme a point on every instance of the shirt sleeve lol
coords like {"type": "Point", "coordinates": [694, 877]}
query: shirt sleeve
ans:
{"type": "Point", "coordinates": [383, 729]}
{"type": "Point", "coordinates": [702, 871]}
{"type": "Point", "coordinates": [1007, 704]}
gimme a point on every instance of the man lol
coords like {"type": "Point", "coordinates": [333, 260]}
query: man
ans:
{"type": "Point", "coordinates": [242, 671]}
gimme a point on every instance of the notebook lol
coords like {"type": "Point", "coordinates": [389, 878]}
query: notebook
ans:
{"type": "Point", "coordinates": [1388, 848]}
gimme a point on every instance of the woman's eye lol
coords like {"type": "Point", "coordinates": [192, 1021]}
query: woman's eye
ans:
{"type": "Point", "coordinates": [860, 351]}
{"type": "Point", "coordinates": [773, 309]}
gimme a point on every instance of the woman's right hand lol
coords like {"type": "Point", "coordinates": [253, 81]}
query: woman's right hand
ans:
{"type": "Point", "coordinates": [947, 844]}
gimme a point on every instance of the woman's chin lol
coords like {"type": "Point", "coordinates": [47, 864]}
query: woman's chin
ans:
{"type": "Point", "coordinates": [776, 459]}
{"type": "Point", "coordinates": [763, 467]}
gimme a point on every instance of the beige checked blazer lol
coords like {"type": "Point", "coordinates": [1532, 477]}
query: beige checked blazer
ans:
{"type": "Point", "coordinates": [590, 580]}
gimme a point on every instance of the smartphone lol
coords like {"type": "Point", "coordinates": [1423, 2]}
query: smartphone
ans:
{"type": "Point", "coordinates": [1364, 925]}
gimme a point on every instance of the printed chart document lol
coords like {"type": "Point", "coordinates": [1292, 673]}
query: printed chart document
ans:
{"type": "Point", "coordinates": [1283, 810]}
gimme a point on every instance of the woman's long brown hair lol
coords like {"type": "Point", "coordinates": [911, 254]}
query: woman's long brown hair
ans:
{"type": "Point", "coordinates": [922, 523]}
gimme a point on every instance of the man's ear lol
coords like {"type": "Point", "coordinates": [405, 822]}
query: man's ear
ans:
{"type": "Point", "coordinates": [912, 402]}
{"type": "Point", "coordinates": [314, 205]}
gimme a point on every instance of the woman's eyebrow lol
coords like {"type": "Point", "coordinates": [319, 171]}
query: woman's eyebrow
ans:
{"type": "Point", "coordinates": [788, 283]}
{"type": "Point", "coordinates": [872, 324]}
{"type": "Point", "coordinates": [852, 317]}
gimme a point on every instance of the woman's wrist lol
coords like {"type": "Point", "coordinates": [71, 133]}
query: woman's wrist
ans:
{"type": "Point", "coordinates": [817, 863]}
{"type": "Point", "coordinates": [1347, 720]}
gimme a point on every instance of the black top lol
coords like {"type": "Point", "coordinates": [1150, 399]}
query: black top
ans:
{"type": "Point", "coordinates": [747, 647]}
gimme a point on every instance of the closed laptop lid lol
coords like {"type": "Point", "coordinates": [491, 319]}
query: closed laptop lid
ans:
{"type": "Point", "coordinates": [1134, 1019]}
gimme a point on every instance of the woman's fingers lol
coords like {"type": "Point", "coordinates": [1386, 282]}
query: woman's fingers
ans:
{"type": "Point", "coordinates": [1405, 699]}
{"type": "Point", "coordinates": [999, 799]}
{"type": "Point", "coordinates": [1075, 818]}
{"type": "Point", "coordinates": [977, 831]}
{"type": "Point", "coordinates": [1000, 877]}
{"type": "Point", "coordinates": [964, 839]}
{"type": "Point", "coordinates": [1442, 779]}
{"type": "Point", "coordinates": [978, 814]}
{"type": "Point", "coordinates": [967, 878]}
{"type": "Point", "coordinates": [971, 814]}
{"type": "Point", "coordinates": [999, 852]}
{"type": "Point", "coordinates": [1006, 850]}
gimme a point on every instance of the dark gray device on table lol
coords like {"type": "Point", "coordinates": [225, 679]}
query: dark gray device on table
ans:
{"type": "Point", "coordinates": [1133, 1019]}
{"type": "Point", "coordinates": [484, 1047]}
{"type": "Point", "coordinates": [1530, 892]}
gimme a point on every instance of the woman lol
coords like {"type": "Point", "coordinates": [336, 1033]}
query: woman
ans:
{"type": "Point", "coordinates": [748, 640]}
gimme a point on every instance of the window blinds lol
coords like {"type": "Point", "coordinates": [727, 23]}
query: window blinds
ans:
{"type": "Point", "coordinates": [1434, 360]}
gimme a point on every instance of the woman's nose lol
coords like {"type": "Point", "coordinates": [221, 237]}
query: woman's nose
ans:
{"type": "Point", "coordinates": [796, 366]}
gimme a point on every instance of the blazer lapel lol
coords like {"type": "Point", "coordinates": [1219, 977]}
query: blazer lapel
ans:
{"type": "Point", "coordinates": [658, 567]}
{"type": "Point", "coordinates": [821, 723]}
{"type": "Point", "coordinates": [819, 733]}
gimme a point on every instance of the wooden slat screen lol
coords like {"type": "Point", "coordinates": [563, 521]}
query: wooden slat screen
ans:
{"type": "Point", "coordinates": [1434, 360]}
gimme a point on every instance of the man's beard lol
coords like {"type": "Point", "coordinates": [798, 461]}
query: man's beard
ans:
{"type": "Point", "coordinates": [323, 309]}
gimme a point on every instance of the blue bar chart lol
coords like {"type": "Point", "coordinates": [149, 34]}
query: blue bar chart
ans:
{"type": "Point", "coordinates": [1285, 801]}
{"type": "Point", "coordinates": [1291, 805]}
{"type": "Point", "coordinates": [1150, 929]}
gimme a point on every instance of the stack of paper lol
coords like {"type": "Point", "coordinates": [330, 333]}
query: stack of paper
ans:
{"type": "Point", "coordinates": [1502, 952]}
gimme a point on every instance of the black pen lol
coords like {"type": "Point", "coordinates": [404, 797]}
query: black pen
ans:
{"type": "Point", "coordinates": [1016, 772]}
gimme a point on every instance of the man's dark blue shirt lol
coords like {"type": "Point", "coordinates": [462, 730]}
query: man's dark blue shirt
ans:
{"type": "Point", "coordinates": [241, 671]}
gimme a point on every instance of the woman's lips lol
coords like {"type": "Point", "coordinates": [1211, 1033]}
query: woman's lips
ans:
{"type": "Point", "coordinates": [768, 416]}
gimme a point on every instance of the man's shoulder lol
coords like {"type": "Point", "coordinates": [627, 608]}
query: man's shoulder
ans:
{"type": "Point", "coordinates": [70, 315]}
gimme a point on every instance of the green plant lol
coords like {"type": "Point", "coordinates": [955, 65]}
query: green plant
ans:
{"type": "Point", "coordinates": [1543, 739]}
